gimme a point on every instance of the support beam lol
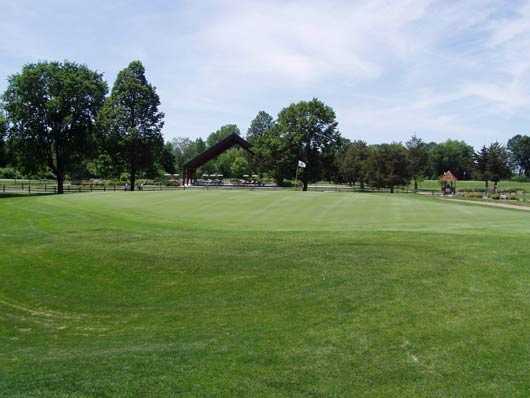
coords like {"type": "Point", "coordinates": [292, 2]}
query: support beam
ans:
{"type": "Point", "coordinates": [211, 153]}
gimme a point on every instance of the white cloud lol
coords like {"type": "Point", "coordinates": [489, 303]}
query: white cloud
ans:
{"type": "Point", "coordinates": [508, 98]}
{"type": "Point", "coordinates": [304, 41]}
{"type": "Point", "coordinates": [511, 28]}
{"type": "Point", "coordinates": [389, 67]}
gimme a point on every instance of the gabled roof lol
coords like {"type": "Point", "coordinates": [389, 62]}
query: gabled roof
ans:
{"type": "Point", "coordinates": [448, 176]}
{"type": "Point", "coordinates": [216, 149]}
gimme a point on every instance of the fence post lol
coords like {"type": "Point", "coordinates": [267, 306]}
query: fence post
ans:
{"type": "Point", "coordinates": [105, 188]}
{"type": "Point", "coordinates": [44, 187]}
{"type": "Point", "coordinates": [114, 187]}
{"type": "Point", "coordinates": [3, 187]}
{"type": "Point", "coordinates": [29, 188]}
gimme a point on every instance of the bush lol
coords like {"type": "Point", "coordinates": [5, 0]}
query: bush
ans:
{"type": "Point", "coordinates": [9, 173]}
{"type": "Point", "coordinates": [473, 195]}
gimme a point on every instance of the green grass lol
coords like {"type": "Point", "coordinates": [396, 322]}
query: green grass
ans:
{"type": "Point", "coordinates": [236, 293]}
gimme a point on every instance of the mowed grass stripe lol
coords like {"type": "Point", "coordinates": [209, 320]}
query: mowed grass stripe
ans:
{"type": "Point", "coordinates": [262, 294]}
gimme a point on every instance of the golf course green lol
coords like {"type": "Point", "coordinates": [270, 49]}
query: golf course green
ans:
{"type": "Point", "coordinates": [246, 293]}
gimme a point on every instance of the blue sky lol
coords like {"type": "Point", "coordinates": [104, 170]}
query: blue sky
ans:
{"type": "Point", "coordinates": [440, 69]}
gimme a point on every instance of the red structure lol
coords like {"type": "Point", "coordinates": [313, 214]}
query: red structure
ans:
{"type": "Point", "coordinates": [211, 153]}
{"type": "Point", "coordinates": [448, 182]}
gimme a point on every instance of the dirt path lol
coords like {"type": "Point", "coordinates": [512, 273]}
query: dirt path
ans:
{"type": "Point", "coordinates": [503, 205]}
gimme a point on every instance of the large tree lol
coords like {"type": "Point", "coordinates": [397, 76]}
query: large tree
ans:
{"type": "Point", "coordinates": [419, 159]}
{"type": "Point", "coordinates": [309, 133]}
{"type": "Point", "coordinates": [51, 109]}
{"type": "Point", "coordinates": [519, 147]}
{"type": "Point", "coordinates": [222, 132]}
{"type": "Point", "coordinates": [482, 167]}
{"type": "Point", "coordinates": [271, 156]}
{"type": "Point", "coordinates": [352, 163]}
{"type": "Point", "coordinates": [455, 156]}
{"type": "Point", "coordinates": [492, 163]}
{"type": "Point", "coordinates": [388, 166]}
{"type": "Point", "coordinates": [223, 163]}
{"type": "Point", "coordinates": [131, 123]}
{"type": "Point", "coordinates": [185, 149]}
{"type": "Point", "coordinates": [262, 123]}
{"type": "Point", "coordinates": [498, 164]}
{"type": "Point", "coordinates": [167, 159]}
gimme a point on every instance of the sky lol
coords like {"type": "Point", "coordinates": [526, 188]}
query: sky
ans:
{"type": "Point", "coordinates": [438, 69]}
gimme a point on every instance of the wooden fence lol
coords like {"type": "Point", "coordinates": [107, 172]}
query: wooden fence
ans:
{"type": "Point", "coordinates": [39, 187]}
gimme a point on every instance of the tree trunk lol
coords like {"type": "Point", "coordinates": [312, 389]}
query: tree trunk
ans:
{"type": "Point", "coordinates": [57, 166]}
{"type": "Point", "coordinates": [495, 186]}
{"type": "Point", "coordinates": [60, 183]}
{"type": "Point", "coordinates": [415, 184]}
{"type": "Point", "coordinates": [133, 179]}
{"type": "Point", "coordinates": [362, 185]}
{"type": "Point", "coordinates": [392, 189]}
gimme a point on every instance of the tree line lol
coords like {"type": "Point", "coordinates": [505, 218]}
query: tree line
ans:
{"type": "Point", "coordinates": [60, 118]}
{"type": "Point", "coordinates": [307, 131]}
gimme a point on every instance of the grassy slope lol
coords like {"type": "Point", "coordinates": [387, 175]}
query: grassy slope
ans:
{"type": "Point", "coordinates": [262, 294]}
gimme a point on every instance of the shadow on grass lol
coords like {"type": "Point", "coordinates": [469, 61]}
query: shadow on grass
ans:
{"type": "Point", "coordinates": [4, 195]}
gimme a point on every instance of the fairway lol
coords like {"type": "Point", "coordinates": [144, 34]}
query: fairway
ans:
{"type": "Point", "coordinates": [247, 293]}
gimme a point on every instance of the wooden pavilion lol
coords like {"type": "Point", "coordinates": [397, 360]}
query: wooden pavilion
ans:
{"type": "Point", "coordinates": [211, 153]}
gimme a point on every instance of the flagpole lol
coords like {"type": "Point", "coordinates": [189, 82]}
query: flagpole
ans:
{"type": "Point", "coordinates": [296, 179]}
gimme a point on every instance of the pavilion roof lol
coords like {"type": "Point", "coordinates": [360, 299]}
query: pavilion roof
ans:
{"type": "Point", "coordinates": [216, 149]}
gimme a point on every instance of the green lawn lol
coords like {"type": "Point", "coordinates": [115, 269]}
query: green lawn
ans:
{"type": "Point", "coordinates": [236, 293]}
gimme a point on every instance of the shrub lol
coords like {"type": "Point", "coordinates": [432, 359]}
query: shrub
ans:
{"type": "Point", "coordinates": [472, 195]}
{"type": "Point", "coordinates": [9, 172]}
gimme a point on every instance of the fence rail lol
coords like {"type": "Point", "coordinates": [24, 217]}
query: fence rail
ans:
{"type": "Point", "coordinates": [36, 187]}
{"type": "Point", "coordinates": [46, 188]}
